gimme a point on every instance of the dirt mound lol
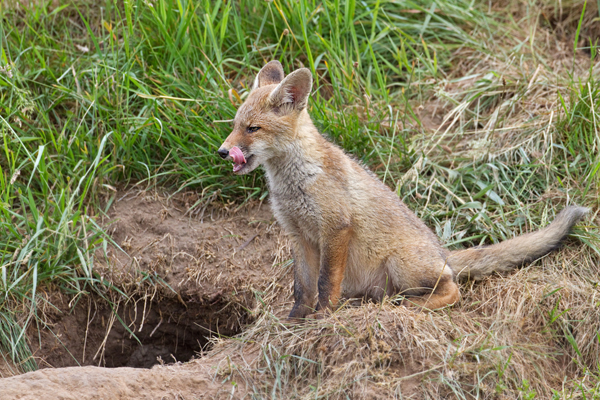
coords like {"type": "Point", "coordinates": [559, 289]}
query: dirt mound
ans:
{"type": "Point", "coordinates": [198, 275]}
{"type": "Point", "coordinates": [514, 336]}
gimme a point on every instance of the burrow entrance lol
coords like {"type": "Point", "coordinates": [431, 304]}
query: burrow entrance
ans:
{"type": "Point", "coordinates": [140, 334]}
{"type": "Point", "coordinates": [216, 260]}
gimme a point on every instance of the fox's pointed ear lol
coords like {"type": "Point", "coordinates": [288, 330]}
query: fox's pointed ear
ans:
{"type": "Point", "coordinates": [293, 91]}
{"type": "Point", "coordinates": [270, 74]}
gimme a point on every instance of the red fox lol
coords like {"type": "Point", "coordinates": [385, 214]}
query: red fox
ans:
{"type": "Point", "coordinates": [351, 235]}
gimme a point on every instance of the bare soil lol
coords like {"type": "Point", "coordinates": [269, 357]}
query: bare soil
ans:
{"type": "Point", "coordinates": [202, 254]}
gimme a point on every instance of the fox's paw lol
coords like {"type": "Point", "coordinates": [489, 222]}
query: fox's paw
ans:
{"type": "Point", "coordinates": [320, 314]}
{"type": "Point", "coordinates": [293, 320]}
{"type": "Point", "coordinates": [299, 313]}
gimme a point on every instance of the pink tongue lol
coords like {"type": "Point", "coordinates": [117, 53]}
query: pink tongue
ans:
{"type": "Point", "coordinates": [238, 158]}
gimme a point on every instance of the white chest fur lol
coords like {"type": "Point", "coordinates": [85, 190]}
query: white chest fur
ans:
{"type": "Point", "coordinates": [290, 179]}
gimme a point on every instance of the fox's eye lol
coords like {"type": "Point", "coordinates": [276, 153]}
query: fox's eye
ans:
{"type": "Point", "coordinates": [252, 129]}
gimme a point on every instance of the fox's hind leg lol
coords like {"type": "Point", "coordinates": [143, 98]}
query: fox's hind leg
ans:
{"type": "Point", "coordinates": [445, 293]}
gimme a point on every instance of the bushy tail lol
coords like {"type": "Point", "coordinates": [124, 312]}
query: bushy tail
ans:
{"type": "Point", "coordinates": [476, 262]}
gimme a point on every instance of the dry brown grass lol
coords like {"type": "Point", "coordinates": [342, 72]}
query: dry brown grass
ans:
{"type": "Point", "coordinates": [497, 102]}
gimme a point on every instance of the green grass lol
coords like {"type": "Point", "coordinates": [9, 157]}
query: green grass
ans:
{"type": "Point", "coordinates": [95, 96]}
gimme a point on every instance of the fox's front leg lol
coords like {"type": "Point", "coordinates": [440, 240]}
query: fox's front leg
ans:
{"type": "Point", "coordinates": [334, 257]}
{"type": "Point", "coordinates": [306, 275]}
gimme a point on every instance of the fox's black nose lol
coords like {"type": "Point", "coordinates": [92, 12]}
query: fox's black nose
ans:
{"type": "Point", "coordinates": [223, 153]}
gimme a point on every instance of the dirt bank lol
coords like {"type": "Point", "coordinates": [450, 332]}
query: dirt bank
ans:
{"type": "Point", "coordinates": [196, 277]}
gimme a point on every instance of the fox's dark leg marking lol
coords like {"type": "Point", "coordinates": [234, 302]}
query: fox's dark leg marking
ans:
{"type": "Point", "coordinates": [334, 256]}
{"type": "Point", "coordinates": [306, 273]}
